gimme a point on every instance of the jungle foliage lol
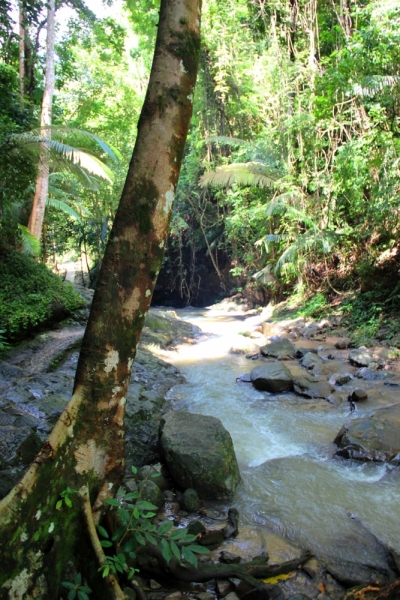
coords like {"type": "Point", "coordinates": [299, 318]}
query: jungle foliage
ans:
{"type": "Point", "coordinates": [291, 173]}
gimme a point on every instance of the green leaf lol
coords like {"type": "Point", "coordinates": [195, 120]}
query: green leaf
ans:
{"type": "Point", "coordinates": [143, 505]}
{"type": "Point", "coordinates": [140, 538]}
{"type": "Point", "coordinates": [132, 571]}
{"type": "Point", "coordinates": [78, 579]}
{"type": "Point", "coordinates": [131, 496]}
{"type": "Point", "coordinates": [68, 585]}
{"type": "Point", "coordinates": [86, 588]}
{"type": "Point", "coordinates": [130, 545]}
{"type": "Point", "coordinates": [103, 531]}
{"type": "Point", "coordinates": [59, 505]}
{"type": "Point", "coordinates": [166, 550]}
{"type": "Point", "coordinates": [189, 556]}
{"type": "Point", "coordinates": [119, 533]}
{"type": "Point", "coordinates": [106, 543]}
{"type": "Point", "coordinates": [165, 527]}
{"type": "Point", "coordinates": [134, 470]}
{"type": "Point", "coordinates": [136, 513]}
{"type": "Point", "coordinates": [72, 594]}
{"type": "Point", "coordinates": [82, 595]}
{"type": "Point", "coordinates": [111, 502]}
{"type": "Point", "coordinates": [178, 534]}
{"type": "Point", "coordinates": [198, 549]}
{"type": "Point", "coordinates": [149, 515]}
{"type": "Point", "coordinates": [68, 501]}
{"type": "Point", "coordinates": [175, 551]}
{"type": "Point", "coordinates": [151, 539]}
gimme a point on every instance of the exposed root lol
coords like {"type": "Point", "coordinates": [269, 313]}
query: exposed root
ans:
{"type": "Point", "coordinates": [117, 593]}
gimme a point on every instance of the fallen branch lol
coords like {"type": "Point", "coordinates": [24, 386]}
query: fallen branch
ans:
{"type": "Point", "coordinates": [154, 563]}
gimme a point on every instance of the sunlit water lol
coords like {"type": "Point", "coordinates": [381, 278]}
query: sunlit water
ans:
{"type": "Point", "coordinates": [291, 484]}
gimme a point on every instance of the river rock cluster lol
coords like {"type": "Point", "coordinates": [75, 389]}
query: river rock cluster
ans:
{"type": "Point", "coordinates": [305, 361]}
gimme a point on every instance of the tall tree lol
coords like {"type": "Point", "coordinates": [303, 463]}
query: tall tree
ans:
{"type": "Point", "coordinates": [42, 182]}
{"type": "Point", "coordinates": [85, 451]}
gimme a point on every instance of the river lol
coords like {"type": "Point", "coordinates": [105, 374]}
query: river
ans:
{"type": "Point", "coordinates": [291, 484]}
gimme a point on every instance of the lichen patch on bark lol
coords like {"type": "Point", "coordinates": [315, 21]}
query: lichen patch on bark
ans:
{"type": "Point", "coordinates": [90, 458]}
{"type": "Point", "coordinates": [111, 361]}
{"type": "Point", "coordinates": [133, 303]}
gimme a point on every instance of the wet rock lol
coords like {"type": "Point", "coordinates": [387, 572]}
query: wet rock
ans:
{"type": "Point", "coordinates": [8, 478]}
{"type": "Point", "coordinates": [371, 438]}
{"type": "Point", "coordinates": [301, 352]}
{"type": "Point", "coordinates": [223, 587]}
{"type": "Point", "coordinates": [246, 378]}
{"type": "Point", "coordinates": [358, 395]}
{"type": "Point", "coordinates": [231, 596]}
{"type": "Point", "coordinates": [265, 592]}
{"type": "Point", "coordinates": [371, 375]}
{"type": "Point", "coordinates": [196, 528]}
{"type": "Point", "coordinates": [152, 473]}
{"type": "Point", "coordinates": [150, 492]}
{"type": "Point", "coordinates": [343, 343]}
{"type": "Point", "coordinates": [351, 574]}
{"type": "Point", "coordinates": [299, 596]}
{"type": "Point", "coordinates": [190, 500]}
{"type": "Point", "coordinates": [228, 558]}
{"type": "Point", "coordinates": [306, 385]}
{"type": "Point", "coordinates": [360, 357]}
{"type": "Point", "coordinates": [310, 360]}
{"type": "Point", "coordinates": [281, 349]}
{"type": "Point", "coordinates": [340, 379]}
{"type": "Point", "coordinates": [199, 454]}
{"type": "Point", "coordinates": [272, 377]}
{"type": "Point", "coordinates": [205, 596]}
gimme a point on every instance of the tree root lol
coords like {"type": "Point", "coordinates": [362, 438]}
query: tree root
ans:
{"type": "Point", "coordinates": [153, 562]}
{"type": "Point", "coordinates": [115, 590]}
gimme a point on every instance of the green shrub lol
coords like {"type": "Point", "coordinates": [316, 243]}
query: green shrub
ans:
{"type": "Point", "coordinates": [27, 292]}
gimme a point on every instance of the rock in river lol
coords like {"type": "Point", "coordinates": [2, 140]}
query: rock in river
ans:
{"type": "Point", "coordinates": [371, 438]}
{"type": "Point", "coordinates": [281, 349]}
{"type": "Point", "coordinates": [199, 454]}
{"type": "Point", "coordinates": [306, 385]}
{"type": "Point", "coordinates": [272, 377]}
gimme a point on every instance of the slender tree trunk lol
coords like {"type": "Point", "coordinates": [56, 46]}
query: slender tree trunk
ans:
{"type": "Point", "coordinates": [42, 182]}
{"type": "Point", "coordinates": [21, 52]}
{"type": "Point", "coordinates": [85, 451]}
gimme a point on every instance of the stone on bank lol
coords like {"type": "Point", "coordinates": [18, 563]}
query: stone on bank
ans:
{"type": "Point", "coordinates": [199, 454]}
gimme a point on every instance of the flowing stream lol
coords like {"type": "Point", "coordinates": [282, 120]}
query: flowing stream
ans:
{"type": "Point", "coordinates": [291, 484]}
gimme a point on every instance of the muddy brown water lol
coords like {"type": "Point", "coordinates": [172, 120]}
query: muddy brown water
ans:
{"type": "Point", "coordinates": [292, 485]}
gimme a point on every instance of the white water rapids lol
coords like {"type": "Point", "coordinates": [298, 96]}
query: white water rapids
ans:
{"type": "Point", "coordinates": [291, 484]}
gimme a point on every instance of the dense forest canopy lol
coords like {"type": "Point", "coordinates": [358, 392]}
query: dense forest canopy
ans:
{"type": "Point", "coordinates": [291, 171]}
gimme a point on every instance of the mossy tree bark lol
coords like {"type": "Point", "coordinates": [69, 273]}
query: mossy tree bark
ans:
{"type": "Point", "coordinates": [85, 451]}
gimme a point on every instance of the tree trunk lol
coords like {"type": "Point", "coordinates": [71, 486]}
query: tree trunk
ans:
{"type": "Point", "coordinates": [85, 450]}
{"type": "Point", "coordinates": [42, 182]}
{"type": "Point", "coordinates": [21, 51]}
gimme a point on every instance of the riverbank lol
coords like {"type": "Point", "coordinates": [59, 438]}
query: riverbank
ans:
{"type": "Point", "coordinates": [36, 381]}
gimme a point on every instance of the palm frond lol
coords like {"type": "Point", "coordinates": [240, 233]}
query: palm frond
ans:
{"type": "Point", "coordinates": [79, 137]}
{"type": "Point", "coordinates": [264, 276]}
{"type": "Point", "coordinates": [30, 245]}
{"type": "Point", "coordinates": [371, 86]}
{"type": "Point", "coordinates": [64, 207]}
{"type": "Point", "coordinates": [249, 174]}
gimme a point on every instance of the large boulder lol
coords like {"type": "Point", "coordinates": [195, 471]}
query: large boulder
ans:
{"type": "Point", "coordinates": [281, 349]}
{"type": "Point", "coordinates": [272, 377]}
{"type": "Point", "coordinates": [199, 454]}
{"type": "Point", "coordinates": [361, 357]}
{"type": "Point", "coordinates": [371, 438]}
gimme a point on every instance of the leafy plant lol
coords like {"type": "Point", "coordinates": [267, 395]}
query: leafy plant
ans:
{"type": "Point", "coordinates": [136, 529]}
{"type": "Point", "coordinates": [66, 498]}
{"type": "Point", "coordinates": [77, 589]}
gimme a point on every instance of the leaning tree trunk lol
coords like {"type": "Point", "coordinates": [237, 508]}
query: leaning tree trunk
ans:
{"type": "Point", "coordinates": [85, 451]}
{"type": "Point", "coordinates": [42, 182]}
